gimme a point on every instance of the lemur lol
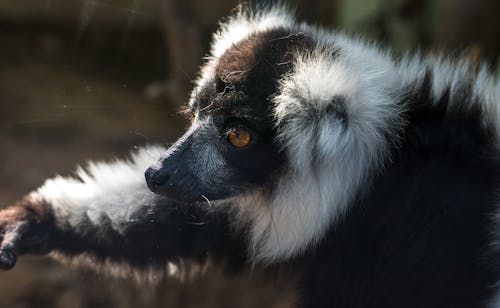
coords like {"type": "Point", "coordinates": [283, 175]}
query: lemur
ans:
{"type": "Point", "coordinates": [374, 179]}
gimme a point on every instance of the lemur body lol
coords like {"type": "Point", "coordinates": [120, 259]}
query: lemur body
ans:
{"type": "Point", "coordinates": [375, 181]}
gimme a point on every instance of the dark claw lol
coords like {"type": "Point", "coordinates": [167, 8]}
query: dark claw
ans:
{"type": "Point", "coordinates": [7, 259]}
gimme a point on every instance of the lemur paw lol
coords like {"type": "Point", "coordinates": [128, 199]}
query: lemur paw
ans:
{"type": "Point", "coordinates": [21, 231]}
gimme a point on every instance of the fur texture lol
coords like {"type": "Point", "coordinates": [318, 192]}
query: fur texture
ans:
{"type": "Point", "coordinates": [373, 179]}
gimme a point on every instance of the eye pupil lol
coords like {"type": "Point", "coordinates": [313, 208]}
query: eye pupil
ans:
{"type": "Point", "coordinates": [239, 137]}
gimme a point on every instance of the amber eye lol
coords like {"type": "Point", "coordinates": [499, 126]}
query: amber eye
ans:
{"type": "Point", "coordinates": [239, 137]}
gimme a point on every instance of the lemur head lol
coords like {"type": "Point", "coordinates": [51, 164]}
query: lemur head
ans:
{"type": "Point", "coordinates": [287, 121]}
{"type": "Point", "coordinates": [231, 146]}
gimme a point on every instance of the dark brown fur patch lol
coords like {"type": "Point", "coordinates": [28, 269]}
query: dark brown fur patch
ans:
{"type": "Point", "coordinates": [26, 226]}
{"type": "Point", "coordinates": [260, 59]}
{"type": "Point", "coordinates": [247, 75]}
{"type": "Point", "coordinates": [29, 207]}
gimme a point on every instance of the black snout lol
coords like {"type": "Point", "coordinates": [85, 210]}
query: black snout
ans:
{"type": "Point", "coordinates": [157, 179]}
{"type": "Point", "coordinates": [174, 184]}
{"type": "Point", "coordinates": [172, 176]}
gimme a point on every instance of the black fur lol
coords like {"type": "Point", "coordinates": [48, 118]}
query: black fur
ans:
{"type": "Point", "coordinates": [166, 230]}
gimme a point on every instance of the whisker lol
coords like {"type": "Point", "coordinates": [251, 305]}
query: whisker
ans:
{"type": "Point", "coordinates": [206, 199]}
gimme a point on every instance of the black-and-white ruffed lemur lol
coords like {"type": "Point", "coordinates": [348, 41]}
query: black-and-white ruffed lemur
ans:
{"type": "Point", "coordinates": [374, 180]}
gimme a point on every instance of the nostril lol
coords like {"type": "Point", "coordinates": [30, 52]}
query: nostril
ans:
{"type": "Point", "coordinates": [155, 184]}
{"type": "Point", "coordinates": [155, 179]}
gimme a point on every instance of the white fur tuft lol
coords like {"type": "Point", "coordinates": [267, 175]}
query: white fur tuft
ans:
{"type": "Point", "coordinates": [331, 158]}
{"type": "Point", "coordinates": [244, 23]}
{"type": "Point", "coordinates": [112, 191]}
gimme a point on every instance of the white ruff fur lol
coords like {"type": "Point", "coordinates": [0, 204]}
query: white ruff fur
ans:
{"type": "Point", "coordinates": [330, 160]}
{"type": "Point", "coordinates": [244, 23]}
{"type": "Point", "coordinates": [111, 191]}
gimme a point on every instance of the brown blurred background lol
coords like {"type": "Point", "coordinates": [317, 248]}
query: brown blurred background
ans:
{"type": "Point", "coordinates": [92, 79]}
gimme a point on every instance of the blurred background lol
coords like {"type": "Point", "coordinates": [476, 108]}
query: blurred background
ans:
{"type": "Point", "coordinates": [93, 79]}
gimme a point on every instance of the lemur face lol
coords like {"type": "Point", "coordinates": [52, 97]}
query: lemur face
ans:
{"type": "Point", "coordinates": [230, 146]}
